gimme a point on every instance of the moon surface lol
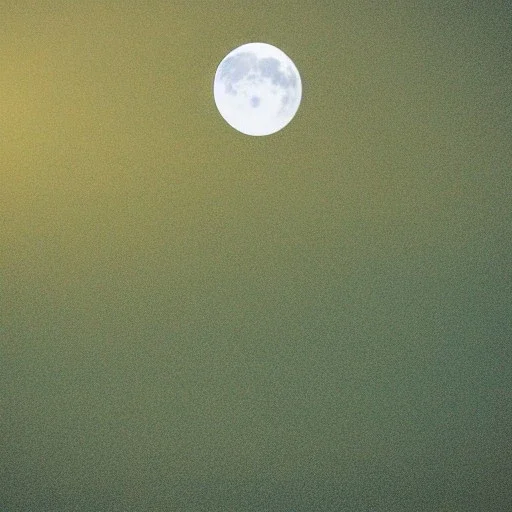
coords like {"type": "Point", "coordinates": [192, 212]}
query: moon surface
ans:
{"type": "Point", "coordinates": [257, 89]}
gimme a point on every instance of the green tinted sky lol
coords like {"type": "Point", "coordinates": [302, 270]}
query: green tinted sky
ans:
{"type": "Point", "coordinates": [198, 320]}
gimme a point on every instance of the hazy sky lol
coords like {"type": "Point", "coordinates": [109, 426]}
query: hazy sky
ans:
{"type": "Point", "coordinates": [198, 320]}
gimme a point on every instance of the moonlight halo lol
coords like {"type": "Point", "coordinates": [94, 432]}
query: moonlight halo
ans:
{"type": "Point", "coordinates": [257, 89]}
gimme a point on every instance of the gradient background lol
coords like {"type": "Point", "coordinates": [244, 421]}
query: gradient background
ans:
{"type": "Point", "coordinates": [198, 320]}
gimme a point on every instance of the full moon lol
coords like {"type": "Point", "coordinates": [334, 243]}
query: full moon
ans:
{"type": "Point", "coordinates": [257, 89]}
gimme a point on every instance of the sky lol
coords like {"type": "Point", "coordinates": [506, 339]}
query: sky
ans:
{"type": "Point", "coordinates": [198, 320]}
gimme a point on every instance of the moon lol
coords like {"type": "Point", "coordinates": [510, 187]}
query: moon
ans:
{"type": "Point", "coordinates": [257, 89]}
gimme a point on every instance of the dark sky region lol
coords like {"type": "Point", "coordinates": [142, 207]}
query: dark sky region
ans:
{"type": "Point", "coordinates": [194, 320]}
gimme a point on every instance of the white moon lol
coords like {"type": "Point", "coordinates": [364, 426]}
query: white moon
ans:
{"type": "Point", "coordinates": [257, 89]}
